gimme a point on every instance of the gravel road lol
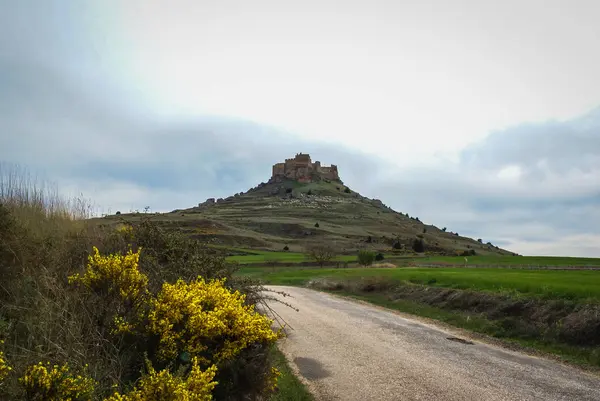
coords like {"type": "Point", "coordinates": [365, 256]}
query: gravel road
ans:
{"type": "Point", "coordinates": [346, 350]}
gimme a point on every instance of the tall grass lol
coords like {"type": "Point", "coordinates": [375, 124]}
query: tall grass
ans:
{"type": "Point", "coordinates": [37, 203]}
{"type": "Point", "coordinates": [44, 238]}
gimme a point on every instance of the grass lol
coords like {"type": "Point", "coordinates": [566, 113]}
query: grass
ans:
{"type": "Point", "coordinates": [258, 256]}
{"type": "Point", "coordinates": [582, 356]}
{"type": "Point", "coordinates": [579, 285]}
{"type": "Point", "coordinates": [290, 388]}
{"type": "Point", "coordinates": [491, 260]}
{"type": "Point", "coordinates": [288, 257]}
{"type": "Point", "coordinates": [44, 238]}
{"type": "Point", "coordinates": [554, 311]}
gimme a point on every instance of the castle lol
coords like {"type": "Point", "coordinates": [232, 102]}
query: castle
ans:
{"type": "Point", "coordinates": [302, 169]}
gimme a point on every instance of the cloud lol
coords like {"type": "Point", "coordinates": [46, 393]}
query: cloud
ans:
{"type": "Point", "coordinates": [533, 188]}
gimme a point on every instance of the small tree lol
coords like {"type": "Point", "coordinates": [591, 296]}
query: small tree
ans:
{"type": "Point", "coordinates": [309, 192]}
{"type": "Point", "coordinates": [480, 240]}
{"type": "Point", "coordinates": [321, 253]}
{"type": "Point", "coordinates": [347, 190]}
{"type": "Point", "coordinates": [379, 257]}
{"type": "Point", "coordinates": [118, 213]}
{"type": "Point", "coordinates": [418, 245]}
{"type": "Point", "coordinates": [444, 229]}
{"type": "Point", "coordinates": [317, 225]}
{"type": "Point", "coordinates": [286, 248]}
{"type": "Point", "coordinates": [365, 257]}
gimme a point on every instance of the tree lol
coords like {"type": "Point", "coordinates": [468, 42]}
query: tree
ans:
{"type": "Point", "coordinates": [418, 245]}
{"type": "Point", "coordinates": [309, 192]}
{"type": "Point", "coordinates": [365, 257]}
{"type": "Point", "coordinates": [317, 225]}
{"type": "Point", "coordinates": [444, 229]}
{"type": "Point", "coordinates": [347, 190]}
{"type": "Point", "coordinates": [321, 253]}
{"type": "Point", "coordinates": [480, 240]}
{"type": "Point", "coordinates": [286, 248]}
{"type": "Point", "coordinates": [379, 257]}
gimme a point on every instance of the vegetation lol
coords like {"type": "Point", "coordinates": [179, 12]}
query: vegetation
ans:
{"type": "Point", "coordinates": [555, 311]}
{"type": "Point", "coordinates": [365, 257]}
{"type": "Point", "coordinates": [321, 253]}
{"type": "Point", "coordinates": [127, 312]}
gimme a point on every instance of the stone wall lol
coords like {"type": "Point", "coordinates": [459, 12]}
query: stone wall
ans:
{"type": "Point", "coordinates": [302, 169]}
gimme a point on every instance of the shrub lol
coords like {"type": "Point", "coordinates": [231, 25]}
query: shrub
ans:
{"type": "Point", "coordinates": [397, 245]}
{"type": "Point", "coordinates": [309, 192]}
{"type": "Point", "coordinates": [321, 253]}
{"type": "Point", "coordinates": [418, 245]}
{"type": "Point", "coordinates": [365, 257]}
{"type": "Point", "coordinates": [379, 257]}
{"type": "Point", "coordinates": [317, 225]}
{"type": "Point", "coordinates": [286, 248]}
{"type": "Point", "coordinates": [118, 213]}
{"type": "Point", "coordinates": [288, 190]}
{"type": "Point", "coordinates": [54, 383]}
{"type": "Point", "coordinates": [347, 190]}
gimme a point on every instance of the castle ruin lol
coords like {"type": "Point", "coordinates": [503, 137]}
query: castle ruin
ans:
{"type": "Point", "coordinates": [302, 169]}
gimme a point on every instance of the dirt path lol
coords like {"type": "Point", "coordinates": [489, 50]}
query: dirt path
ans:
{"type": "Point", "coordinates": [349, 351]}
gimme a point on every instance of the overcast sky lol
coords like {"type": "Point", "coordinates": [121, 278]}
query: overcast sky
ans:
{"type": "Point", "coordinates": [481, 116]}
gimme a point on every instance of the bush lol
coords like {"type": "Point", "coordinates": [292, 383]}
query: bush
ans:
{"type": "Point", "coordinates": [118, 213]}
{"type": "Point", "coordinates": [379, 257]}
{"type": "Point", "coordinates": [317, 225]}
{"type": "Point", "coordinates": [418, 245]}
{"type": "Point", "coordinates": [134, 274]}
{"type": "Point", "coordinates": [286, 248]}
{"type": "Point", "coordinates": [309, 192]}
{"type": "Point", "coordinates": [365, 257]}
{"type": "Point", "coordinates": [397, 245]}
{"type": "Point", "coordinates": [347, 190]}
{"type": "Point", "coordinates": [288, 190]}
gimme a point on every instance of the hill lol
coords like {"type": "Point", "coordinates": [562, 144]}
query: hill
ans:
{"type": "Point", "coordinates": [305, 203]}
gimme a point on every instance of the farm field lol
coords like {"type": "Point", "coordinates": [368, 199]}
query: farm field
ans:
{"type": "Point", "coordinates": [553, 284]}
{"type": "Point", "coordinates": [256, 256]}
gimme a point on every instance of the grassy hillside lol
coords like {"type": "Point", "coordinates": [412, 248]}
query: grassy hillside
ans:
{"type": "Point", "coordinates": [294, 215]}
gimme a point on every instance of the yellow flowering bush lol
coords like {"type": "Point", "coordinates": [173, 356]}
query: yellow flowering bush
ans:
{"type": "Point", "coordinates": [205, 320]}
{"type": "Point", "coordinates": [163, 386]}
{"type": "Point", "coordinates": [4, 367]}
{"type": "Point", "coordinates": [54, 383]}
{"type": "Point", "coordinates": [114, 273]}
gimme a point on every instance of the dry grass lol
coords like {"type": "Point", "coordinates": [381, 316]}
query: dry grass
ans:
{"type": "Point", "coordinates": [44, 238]}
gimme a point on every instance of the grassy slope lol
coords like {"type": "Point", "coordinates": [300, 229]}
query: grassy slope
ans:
{"type": "Point", "coordinates": [545, 283]}
{"type": "Point", "coordinates": [260, 220]}
{"type": "Point", "coordinates": [257, 256]}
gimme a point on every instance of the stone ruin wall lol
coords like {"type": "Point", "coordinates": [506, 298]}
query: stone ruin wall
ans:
{"type": "Point", "coordinates": [302, 169]}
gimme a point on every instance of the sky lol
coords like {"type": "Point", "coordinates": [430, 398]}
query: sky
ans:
{"type": "Point", "coordinates": [479, 116]}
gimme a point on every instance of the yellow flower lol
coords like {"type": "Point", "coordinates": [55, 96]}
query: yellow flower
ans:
{"type": "Point", "coordinates": [54, 383]}
{"type": "Point", "coordinates": [197, 317]}
{"type": "Point", "coordinates": [116, 273]}
{"type": "Point", "coordinates": [4, 367]}
{"type": "Point", "coordinates": [163, 386]}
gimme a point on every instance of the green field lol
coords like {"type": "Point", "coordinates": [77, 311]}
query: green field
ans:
{"type": "Point", "coordinates": [258, 256]}
{"type": "Point", "coordinates": [543, 261]}
{"type": "Point", "coordinates": [576, 285]}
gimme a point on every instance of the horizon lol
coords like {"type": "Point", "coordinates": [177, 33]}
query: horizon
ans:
{"type": "Point", "coordinates": [477, 116]}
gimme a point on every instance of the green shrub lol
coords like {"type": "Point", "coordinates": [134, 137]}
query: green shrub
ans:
{"type": "Point", "coordinates": [45, 319]}
{"type": "Point", "coordinates": [365, 257]}
{"type": "Point", "coordinates": [379, 257]}
{"type": "Point", "coordinates": [418, 245]}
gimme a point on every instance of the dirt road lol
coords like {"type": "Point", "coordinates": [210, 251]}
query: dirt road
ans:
{"type": "Point", "coordinates": [348, 351]}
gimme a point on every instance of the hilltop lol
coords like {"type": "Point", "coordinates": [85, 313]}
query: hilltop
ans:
{"type": "Point", "coordinates": [305, 203]}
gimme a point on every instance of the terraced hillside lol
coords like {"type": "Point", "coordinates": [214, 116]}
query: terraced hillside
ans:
{"type": "Point", "coordinates": [276, 215]}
